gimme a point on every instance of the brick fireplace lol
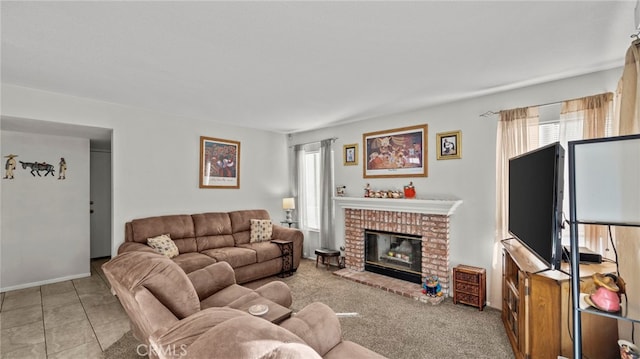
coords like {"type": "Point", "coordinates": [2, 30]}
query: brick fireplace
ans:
{"type": "Point", "coordinates": [427, 219]}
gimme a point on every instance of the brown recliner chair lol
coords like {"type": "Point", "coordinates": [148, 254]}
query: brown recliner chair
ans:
{"type": "Point", "coordinates": [314, 332]}
{"type": "Point", "coordinates": [158, 296]}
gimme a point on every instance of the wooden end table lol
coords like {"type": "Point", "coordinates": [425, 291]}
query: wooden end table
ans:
{"type": "Point", "coordinates": [469, 285]}
{"type": "Point", "coordinates": [286, 250]}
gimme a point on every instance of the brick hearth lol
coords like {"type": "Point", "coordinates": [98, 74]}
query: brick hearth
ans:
{"type": "Point", "coordinates": [432, 228]}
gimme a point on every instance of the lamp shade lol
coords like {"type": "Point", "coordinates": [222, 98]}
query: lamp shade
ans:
{"type": "Point", "coordinates": [288, 203]}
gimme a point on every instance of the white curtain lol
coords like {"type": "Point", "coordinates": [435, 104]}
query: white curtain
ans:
{"type": "Point", "coordinates": [627, 237]}
{"type": "Point", "coordinates": [315, 215]}
{"type": "Point", "coordinates": [294, 177]}
{"type": "Point", "coordinates": [327, 214]}
{"type": "Point", "coordinates": [517, 134]}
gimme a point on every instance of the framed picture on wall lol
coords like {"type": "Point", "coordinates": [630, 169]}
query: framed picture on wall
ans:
{"type": "Point", "coordinates": [350, 154]}
{"type": "Point", "coordinates": [219, 163]}
{"type": "Point", "coordinates": [449, 145]}
{"type": "Point", "coordinates": [399, 152]}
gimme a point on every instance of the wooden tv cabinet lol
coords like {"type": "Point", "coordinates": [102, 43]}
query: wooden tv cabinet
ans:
{"type": "Point", "coordinates": [537, 310]}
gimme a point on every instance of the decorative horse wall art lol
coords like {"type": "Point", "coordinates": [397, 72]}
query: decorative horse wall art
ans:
{"type": "Point", "coordinates": [36, 167]}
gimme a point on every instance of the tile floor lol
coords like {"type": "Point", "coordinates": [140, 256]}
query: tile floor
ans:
{"type": "Point", "coordinates": [73, 319]}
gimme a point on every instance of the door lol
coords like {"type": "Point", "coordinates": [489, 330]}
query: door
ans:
{"type": "Point", "coordinates": [100, 205]}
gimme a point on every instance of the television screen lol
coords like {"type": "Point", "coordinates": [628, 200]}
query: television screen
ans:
{"type": "Point", "coordinates": [535, 201]}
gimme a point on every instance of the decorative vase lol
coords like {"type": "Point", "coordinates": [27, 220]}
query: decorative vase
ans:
{"type": "Point", "coordinates": [409, 191]}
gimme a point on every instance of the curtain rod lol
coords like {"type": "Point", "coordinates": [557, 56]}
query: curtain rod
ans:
{"type": "Point", "coordinates": [333, 139]}
{"type": "Point", "coordinates": [491, 113]}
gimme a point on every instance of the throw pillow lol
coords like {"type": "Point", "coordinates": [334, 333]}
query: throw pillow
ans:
{"type": "Point", "coordinates": [261, 230]}
{"type": "Point", "coordinates": [163, 245]}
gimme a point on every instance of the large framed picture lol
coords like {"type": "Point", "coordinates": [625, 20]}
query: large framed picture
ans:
{"type": "Point", "coordinates": [401, 152]}
{"type": "Point", "coordinates": [350, 154]}
{"type": "Point", "coordinates": [219, 163]}
{"type": "Point", "coordinates": [449, 145]}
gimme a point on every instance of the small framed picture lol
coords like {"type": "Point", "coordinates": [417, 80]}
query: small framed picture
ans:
{"type": "Point", "coordinates": [449, 145]}
{"type": "Point", "coordinates": [350, 154]}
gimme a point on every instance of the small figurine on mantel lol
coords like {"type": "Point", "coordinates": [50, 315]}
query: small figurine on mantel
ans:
{"type": "Point", "coordinates": [367, 191]}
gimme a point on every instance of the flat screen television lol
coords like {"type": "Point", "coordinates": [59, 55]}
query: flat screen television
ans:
{"type": "Point", "coordinates": [536, 182]}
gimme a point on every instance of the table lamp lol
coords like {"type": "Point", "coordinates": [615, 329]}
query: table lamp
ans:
{"type": "Point", "coordinates": [288, 204]}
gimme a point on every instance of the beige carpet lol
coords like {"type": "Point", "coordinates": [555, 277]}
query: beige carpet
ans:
{"type": "Point", "coordinates": [392, 325]}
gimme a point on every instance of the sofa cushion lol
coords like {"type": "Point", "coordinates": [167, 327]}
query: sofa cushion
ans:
{"type": "Point", "coordinates": [163, 245]}
{"type": "Point", "coordinates": [213, 230]}
{"type": "Point", "coordinates": [228, 295]}
{"type": "Point", "coordinates": [212, 242]}
{"type": "Point", "coordinates": [264, 250]}
{"type": "Point", "coordinates": [241, 223]}
{"type": "Point", "coordinates": [235, 256]}
{"type": "Point", "coordinates": [177, 226]}
{"type": "Point", "coordinates": [261, 230]}
{"type": "Point", "coordinates": [190, 262]}
{"type": "Point", "coordinates": [186, 245]}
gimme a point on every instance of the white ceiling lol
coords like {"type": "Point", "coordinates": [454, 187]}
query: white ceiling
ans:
{"type": "Point", "coordinates": [295, 66]}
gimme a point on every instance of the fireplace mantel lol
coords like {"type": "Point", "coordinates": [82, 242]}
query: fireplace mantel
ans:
{"type": "Point", "coordinates": [424, 206]}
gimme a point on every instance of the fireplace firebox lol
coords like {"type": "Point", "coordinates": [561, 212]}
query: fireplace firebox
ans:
{"type": "Point", "coordinates": [393, 254]}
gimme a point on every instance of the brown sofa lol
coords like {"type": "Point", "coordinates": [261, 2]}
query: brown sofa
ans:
{"type": "Point", "coordinates": [207, 238]}
{"type": "Point", "coordinates": [179, 315]}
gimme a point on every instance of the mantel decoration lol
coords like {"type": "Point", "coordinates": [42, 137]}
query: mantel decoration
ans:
{"type": "Point", "coordinates": [350, 154]}
{"type": "Point", "coordinates": [399, 152]}
{"type": "Point", "coordinates": [449, 145]}
{"type": "Point", "coordinates": [410, 191]}
{"type": "Point", "coordinates": [219, 163]}
{"type": "Point", "coordinates": [387, 193]}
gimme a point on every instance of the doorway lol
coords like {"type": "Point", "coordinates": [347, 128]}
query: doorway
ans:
{"type": "Point", "coordinates": [100, 203]}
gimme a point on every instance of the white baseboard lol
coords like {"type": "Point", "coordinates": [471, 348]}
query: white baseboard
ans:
{"type": "Point", "coordinates": [44, 282]}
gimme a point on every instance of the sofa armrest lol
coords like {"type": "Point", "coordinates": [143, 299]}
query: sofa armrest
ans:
{"type": "Point", "coordinates": [135, 246]}
{"type": "Point", "coordinates": [290, 234]}
{"type": "Point", "coordinates": [178, 337]}
{"type": "Point", "coordinates": [276, 291]}
{"type": "Point", "coordinates": [212, 278]}
{"type": "Point", "coordinates": [317, 325]}
{"type": "Point", "coordinates": [149, 313]}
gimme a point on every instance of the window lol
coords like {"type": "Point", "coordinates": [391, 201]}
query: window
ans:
{"type": "Point", "coordinates": [310, 189]}
{"type": "Point", "coordinates": [552, 129]}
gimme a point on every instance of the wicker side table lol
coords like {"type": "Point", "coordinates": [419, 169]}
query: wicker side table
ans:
{"type": "Point", "coordinates": [470, 285]}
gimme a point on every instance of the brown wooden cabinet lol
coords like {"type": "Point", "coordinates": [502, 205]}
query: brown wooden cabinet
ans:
{"type": "Point", "coordinates": [536, 309]}
{"type": "Point", "coordinates": [469, 285]}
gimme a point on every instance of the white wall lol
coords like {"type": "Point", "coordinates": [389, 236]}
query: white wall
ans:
{"type": "Point", "coordinates": [155, 157]}
{"type": "Point", "coordinates": [45, 221]}
{"type": "Point", "coordinates": [471, 178]}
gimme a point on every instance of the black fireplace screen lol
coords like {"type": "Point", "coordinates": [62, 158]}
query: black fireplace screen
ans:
{"type": "Point", "coordinates": [393, 254]}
